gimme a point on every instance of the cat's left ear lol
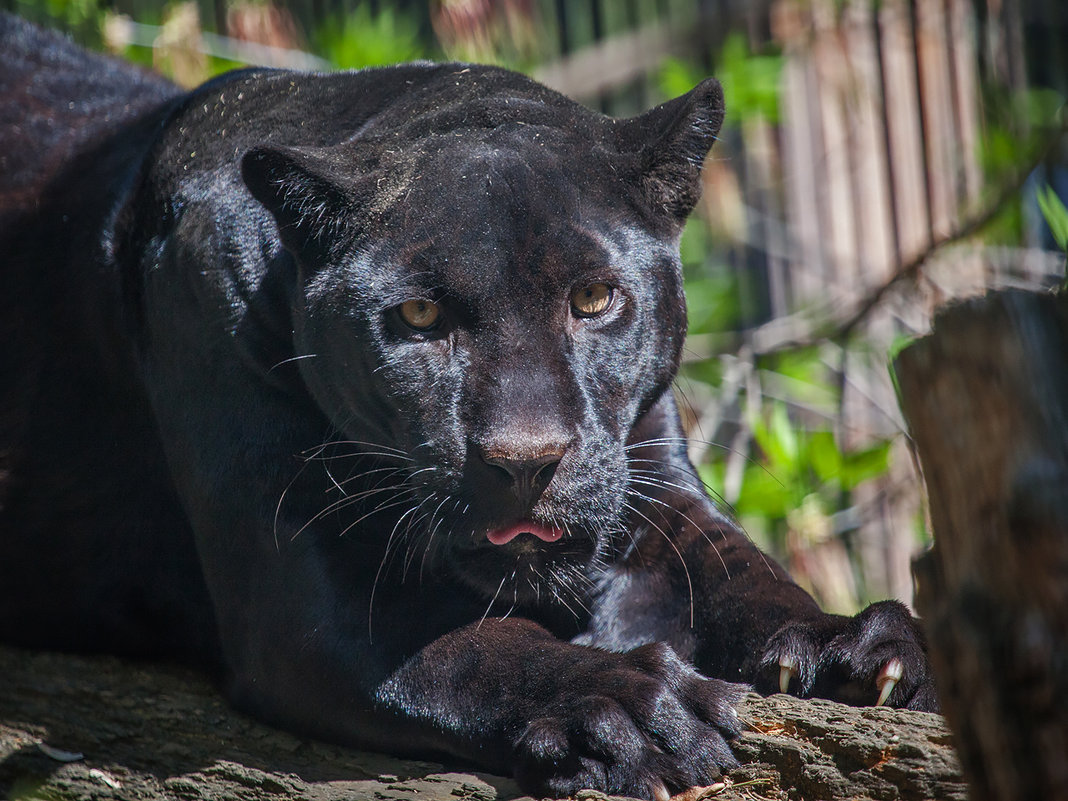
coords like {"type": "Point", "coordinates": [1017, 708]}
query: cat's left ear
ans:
{"type": "Point", "coordinates": [672, 141]}
{"type": "Point", "coordinates": [310, 207]}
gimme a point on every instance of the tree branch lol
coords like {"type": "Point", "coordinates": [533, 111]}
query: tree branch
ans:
{"type": "Point", "coordinates": [841, 330]}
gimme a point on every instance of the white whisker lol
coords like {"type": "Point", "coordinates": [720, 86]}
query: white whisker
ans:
{"type": "Point", "coordinates": [674, 547]}
{"type": "Point", "coordinates": [293, 359]}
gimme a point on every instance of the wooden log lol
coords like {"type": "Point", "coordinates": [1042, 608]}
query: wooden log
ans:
{"type": "Point", "coordinates": [157, 733]}
{"type": "Point", "coordinates": [986, 400]}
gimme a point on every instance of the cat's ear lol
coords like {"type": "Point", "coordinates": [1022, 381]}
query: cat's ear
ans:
{"type": "Point", "coordinates": [672, 141]}
{"type": "Point", "coordinates": [310, 208]}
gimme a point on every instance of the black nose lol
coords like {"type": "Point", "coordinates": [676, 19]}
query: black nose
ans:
{"type": "Point", "coordinates": [530, 472]}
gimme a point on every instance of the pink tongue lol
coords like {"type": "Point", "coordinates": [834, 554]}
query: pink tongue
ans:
{"type": "Point", "coordinates": [500, 536]}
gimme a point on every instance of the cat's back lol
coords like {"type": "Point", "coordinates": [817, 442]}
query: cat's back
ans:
{"type": "Point", "coordinates": [57, 99]}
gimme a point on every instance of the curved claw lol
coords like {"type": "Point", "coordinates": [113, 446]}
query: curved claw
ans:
{"type": "Point", "coordinates": [787, 670]}
{"type": "Point", "coordinates": [888, 678]}
{"type": "Point", "coordinates": [660, 792]}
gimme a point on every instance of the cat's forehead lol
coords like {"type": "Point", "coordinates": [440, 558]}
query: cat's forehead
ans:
{"type": "Point", "coordinates": [503, 209]}
{"type": "Point", "coordinates": [541, 177]}
{"type": "Point", "coordinates": [504, 256]}
{"type": "Point", "coordinates": [514, 166]}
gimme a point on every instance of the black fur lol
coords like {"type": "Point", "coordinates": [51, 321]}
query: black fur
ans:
{"type": "Point", "coordinates": [221, 441]}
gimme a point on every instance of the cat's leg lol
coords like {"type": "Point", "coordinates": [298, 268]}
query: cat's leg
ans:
{"type": "Point", "coordinates": [694, 579]}
{"type": "Point", "coordinates": [562, 717]}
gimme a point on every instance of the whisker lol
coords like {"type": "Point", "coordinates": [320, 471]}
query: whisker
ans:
{"type": "Point", "coordinates": [653, 479]}
{"type": "Point", "coordinates": [566, 579]}
{"type": "Point", "coordinates": [350, 500]}
{"type": "Point", "coordinates": [493, 600]}
{"type": "Point", "coordinates": [674, 547]}
{"type": "Point", "coordinates": [653, 441]}
{"type": "Point", "coordinates": [376, 510]}
{"type": "Point", "coordinates": [427, 469]}
{"type": "Point", "coordinates": [391, 470]}
{"type": "Point", "coordinates": [281, 500]}
{"type": "Point", "coordinates": [698, 485]}
{"type": "Point", "coordinates": [380, 450]}
{"type": "Point", "coordinates": [688, 519]}
{"type": "Point", "coordinates": [558, 596]}
{"type": "Point", "coordinates": [381, 567]}
{"type": "Point", "coordinates": [706, 442]}
{"type": "Point", "coordinates": [294, 359]}
{"type": "Point", "coordinates": [433, 531]}
{"type": "Point", "coordinates": [649, 476]}
{"type": "Point", "coordinates": [413, 521]}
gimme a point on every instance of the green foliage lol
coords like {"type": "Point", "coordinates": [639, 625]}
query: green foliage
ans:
{"type": "Point", "coordinates": [711, 290]}
{"type": "Point", "coordinates": [349, 40]}
{"type": "Point", "coordinates": [809, 461]}
{"type": "Point", "coordinates": [1017, 128]}
{"type": "Point", "coordinates": [67, 13]}
{"type": "Point", "coordinates": [795, 473]}
{"type": "Point", "coordinates": [751, 83]}
{"type": "Point", "coordinates": [1017, 124]}
{"type": "Point", "coordinates": [1056, 215]}
{"type": "Point", "coordinates": [81, 18]}
{"type": "Point", "coordinates": [793, 467]}
{"type": "Point", "coordinates": [362, 39]}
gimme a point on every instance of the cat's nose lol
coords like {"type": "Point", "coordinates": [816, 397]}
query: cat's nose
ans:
{"type": "Point", "coordinates": [530, 471]}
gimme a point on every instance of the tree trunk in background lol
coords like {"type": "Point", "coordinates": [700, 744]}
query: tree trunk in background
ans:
{"type": "Point", "coordinates": [986, 399]}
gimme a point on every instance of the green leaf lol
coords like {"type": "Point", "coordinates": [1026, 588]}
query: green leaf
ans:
{"type": "Point", "coordinates": [898, 344]}
{"type": "Point", "coordinates": [751, 83]}
{"type": "Point", "coordinates": [765, 440]}
{"type": "Point", "coordinates": [677, 78]}
{"type": "Point", "coordinates": [803, 364]}
{"type": "Point", "coordinates": [694, 243]}
{"type": "Point", "coordinates": [363, 39]}
{"type": "Point", "coordinates": [763, 495]}
{"type": "Point", "coordinates": [706, 371]}
{"type": "Point", "coordinates": [824, 456]}
{"type": "Point", "coordinates": [711, 302]}
{"type": "Point", "coordinates": [785, 436]}
{"type": "Point", "coordinates": [859, 466]}
{"type": "Point", "coordinates": [1056, 215]}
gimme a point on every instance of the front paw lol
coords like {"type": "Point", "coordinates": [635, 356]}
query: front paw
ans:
{"type": "Point", "coordinates": [642, 724]}
{"type": "Point", "coordinates": [877, 657]}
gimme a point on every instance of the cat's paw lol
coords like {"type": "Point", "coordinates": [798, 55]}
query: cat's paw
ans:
{"type": "Point", "coordinates": [876, 657]}
{"type": "Point", "coordinates": [642, 724]}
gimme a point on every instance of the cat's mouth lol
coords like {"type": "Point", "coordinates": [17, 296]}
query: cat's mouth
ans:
{"type": "Point", "coordinates": [504, 535]}
{"type": "Point", "coordinates": [525, 562]}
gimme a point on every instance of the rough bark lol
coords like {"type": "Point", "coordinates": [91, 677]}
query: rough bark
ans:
{"type": "Point", "coordinates": [153, 732]}
{"type": "Point", "coordinates": [986, 399]}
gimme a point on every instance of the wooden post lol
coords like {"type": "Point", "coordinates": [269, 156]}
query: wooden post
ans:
{"type": "Point", "coordinates": [986, 399]}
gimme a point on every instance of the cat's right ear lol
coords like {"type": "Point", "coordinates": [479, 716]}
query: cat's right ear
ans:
{"type": "Point", "coordinates": [310, 208]}
{"type": "Point", "coordinates": [672, 141]}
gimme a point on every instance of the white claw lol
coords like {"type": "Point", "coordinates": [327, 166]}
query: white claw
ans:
{"type": "Point", "coordinates": [787, 670]}
{"type": "Point", "coordinates": [660, 792]}
{"type": "Point", "coordinates": [888, 678]}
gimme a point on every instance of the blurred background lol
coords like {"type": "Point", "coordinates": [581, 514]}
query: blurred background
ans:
{"type": "Point", "coordinates": [880, 158]}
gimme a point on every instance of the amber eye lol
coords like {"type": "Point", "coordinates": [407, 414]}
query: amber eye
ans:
{"type": "Point", "coordinates": [422, 315]}
{"type": "Point", "coordinates": [592, 300]}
